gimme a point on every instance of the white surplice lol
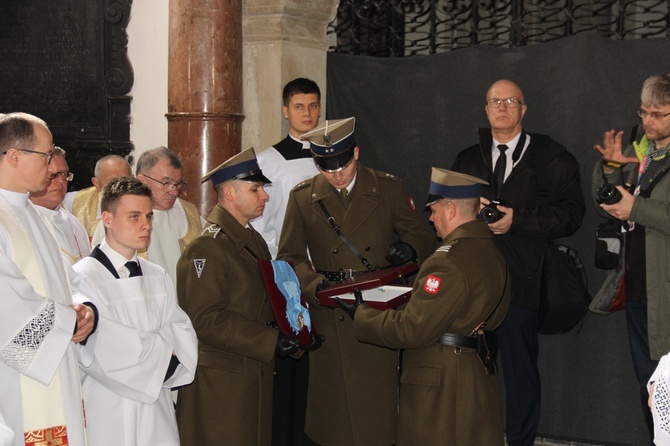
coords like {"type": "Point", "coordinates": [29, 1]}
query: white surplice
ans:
{"type": "Point", "coordinates": [125, 361]}
{"type": "Point", "coordinates": [35, 329]}
{"type": "Point", "coordinates": [660, 401]}
{"type": "Point", "coordinates": [70, 233]}
{"type": "Point", "coordinates": [285, 175]}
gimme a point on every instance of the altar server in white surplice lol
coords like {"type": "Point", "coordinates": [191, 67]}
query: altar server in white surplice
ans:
{"type": "Point", "coordinates": [145, 344]}
{"type": "Point", "coordinates": [70, 233]}
{"type": "Point", "coordinates": [40, 395]}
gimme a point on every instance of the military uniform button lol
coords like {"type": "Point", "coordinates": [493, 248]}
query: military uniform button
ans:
{"type": "Point", "coordinates": [341, 318]}
{"type": "Point", "coordinates": [335, 251]}
{"type": "Point", "coordinates": [367, 248]}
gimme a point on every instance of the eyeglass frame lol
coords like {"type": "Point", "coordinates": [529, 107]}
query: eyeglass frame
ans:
{"type": "Point", "coordinates": [66, 176]}
{"type": "Point", "coordinates": [654, 116]}
{"type": "Point", "coordinates": [509, 102]}
{"type": "Point", "coordinates": [169, 186]}
{"type": "Point", "coordinates": [49, 155]}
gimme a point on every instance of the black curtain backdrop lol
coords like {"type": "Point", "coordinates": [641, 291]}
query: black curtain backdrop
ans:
{"type": "Point", "coordinates": [414, 113]}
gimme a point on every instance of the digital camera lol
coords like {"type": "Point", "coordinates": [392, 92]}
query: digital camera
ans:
{"type": "Point", "coordinates": [607, 193]}
{"type": "Point", "coordinates": [490, 212]}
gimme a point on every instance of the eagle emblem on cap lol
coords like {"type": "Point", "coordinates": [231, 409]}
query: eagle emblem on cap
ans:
{"type": "Point", "coordinates": [327, 140]}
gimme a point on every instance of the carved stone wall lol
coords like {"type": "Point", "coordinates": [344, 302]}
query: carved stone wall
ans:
{"type": "Point", "coordinates": [66, 62]}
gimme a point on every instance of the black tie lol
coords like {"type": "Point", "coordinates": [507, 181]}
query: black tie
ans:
{"type": "Point", "coordinates": [501, 166]}
{"type": "Point", "coordinates": [134, 269]}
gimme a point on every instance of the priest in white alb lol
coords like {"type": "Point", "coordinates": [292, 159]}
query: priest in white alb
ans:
{"type": "Point", "coordinates": [145, 344]}
{"type": "Point", "coordinates": [40, 394]}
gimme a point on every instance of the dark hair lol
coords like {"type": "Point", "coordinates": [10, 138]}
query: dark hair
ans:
{"type": "Point", "coordinates": [112, 192]}
{"type": "Point", "coordinates": [148, 159]}
{"type": "Point", "coordinates": [17, 130]}
{"type": "Point", "coordinates": [300, 85]}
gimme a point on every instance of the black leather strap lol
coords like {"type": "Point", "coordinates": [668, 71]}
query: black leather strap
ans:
{"type": "Point", "coordinates": [336, 229]}
{"type": "Point", "coordinates": [341, 275]}
{"type": "Point", "coordinates": [457, 340]}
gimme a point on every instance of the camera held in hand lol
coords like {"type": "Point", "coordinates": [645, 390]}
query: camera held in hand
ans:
{"type": "Point", "coordinates": [490, 212]}
{"type": "Point", "coordinates": [608, 194]}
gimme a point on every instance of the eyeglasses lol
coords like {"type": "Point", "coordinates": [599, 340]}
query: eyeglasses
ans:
{"type": "Point", "coordinates": [653, 115]}
{"type": "Point", "coordinates": [65, 176]}
{"type": "Point", "coordinates": [49, 155]}
{"type": "Point", "coordinates": [169, 186]}
{"type": "Point", "coordinates": [509, 103]}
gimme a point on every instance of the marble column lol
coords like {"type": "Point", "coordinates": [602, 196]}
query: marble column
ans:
{"type": "Point", "coordinates": [204, 89]}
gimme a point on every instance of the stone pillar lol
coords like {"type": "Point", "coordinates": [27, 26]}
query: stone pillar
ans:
{"type": "Point", "coordinates": [204, 89]}
{"type": "Point", "coordinates": [283, 39]}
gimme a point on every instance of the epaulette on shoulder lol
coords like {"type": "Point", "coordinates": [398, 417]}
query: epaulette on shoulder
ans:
{"type": "Point", "coordinates": [303, 184]}
{"type": "Point", "coordinates": [447, 247]}
{"type": "Point", "coordinates": [211, 230]}
{"type": "Point", "coordinates": [387, 176]}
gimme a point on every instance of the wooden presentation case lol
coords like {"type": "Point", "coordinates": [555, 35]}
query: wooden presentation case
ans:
{"type": "Point", "coordinates": [376, 287]}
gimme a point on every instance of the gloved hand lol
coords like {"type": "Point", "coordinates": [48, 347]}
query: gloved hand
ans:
{"type": "Point", "coordinates": [400, 253]}
{"type": "Point", "coordinates": [317, 340]}
{"type": "Point", "coordinates": [351, 308]}
{"type": "Point", "coordinates": [286, 345]}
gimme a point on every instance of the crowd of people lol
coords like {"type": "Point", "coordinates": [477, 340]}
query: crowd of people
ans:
{"type": "Point", "coordinates": [117, 295]}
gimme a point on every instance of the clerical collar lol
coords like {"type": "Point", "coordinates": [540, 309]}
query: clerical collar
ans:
{"type": "Point", "coordinates": [304, 144]}
{"type": "Point", "coordinates": [117, 260]}
{"type": "Point", "coordinates": [16, 198]}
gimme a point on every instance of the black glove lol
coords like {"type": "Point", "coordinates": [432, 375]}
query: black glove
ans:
{"type": "Point", "coordinates": [286, 345]}
{"type": "Point", "coordinates": [351, 308]}
{"type": "Point", "coordinates": [316, 342]}
{"type": "Point", "coordinates": [400, 253]}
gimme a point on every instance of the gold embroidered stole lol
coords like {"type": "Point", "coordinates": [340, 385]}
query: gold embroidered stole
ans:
{"type": "Point", "coordinates": [43, 407]}
{"type": "Point", "coordinates": [85, 208]}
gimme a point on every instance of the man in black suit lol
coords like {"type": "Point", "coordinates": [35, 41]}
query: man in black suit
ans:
{"type": "Point", "coordinates": [513, 162]}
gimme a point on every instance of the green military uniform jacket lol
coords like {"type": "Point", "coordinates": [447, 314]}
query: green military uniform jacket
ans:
{"type": "Point", "coordinates": [352, 397]}
{"type": "Point", "coordinates": [446, 398]}
{"type": "Point", "coordinates": [220, 287]}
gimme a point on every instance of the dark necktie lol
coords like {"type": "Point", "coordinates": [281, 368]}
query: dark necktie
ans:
{"type": "Point", "coordinates": [134, 268]}
{"type": "Point", "coordinates": [501, 166]}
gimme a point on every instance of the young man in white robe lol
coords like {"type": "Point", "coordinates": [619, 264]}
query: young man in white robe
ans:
{"type": "Point", "coordinates": [145, 344]}
{"type": "Point", "coordinates": [40, 394]}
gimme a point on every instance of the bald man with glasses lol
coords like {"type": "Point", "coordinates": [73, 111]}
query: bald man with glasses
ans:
{"type": "Point", "coordinates": [42, 316]}
{"type": "Point", "coordinates": [511, 161]}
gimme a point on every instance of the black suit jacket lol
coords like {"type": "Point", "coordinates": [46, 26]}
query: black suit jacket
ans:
{"type": "Point", "coordinates": [536, 220]}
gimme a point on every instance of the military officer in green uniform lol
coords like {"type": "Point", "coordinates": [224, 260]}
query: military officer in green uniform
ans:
{"type": "Point", "coordinates": [446, 395]}
{"type": "Point", "coordinates": [220, 287]}
{"type": "Point", "coordinates": [352, 395]}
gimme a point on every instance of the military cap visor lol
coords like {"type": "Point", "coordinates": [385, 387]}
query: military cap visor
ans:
{"type": "Point", "coordinates": [242, 166]}
{"type": "Point", "coordinates": [448, 184]}
{"type": "Point", "coordinates": [335, 163]}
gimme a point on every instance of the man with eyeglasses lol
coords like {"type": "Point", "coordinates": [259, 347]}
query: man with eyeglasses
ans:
{"type": "Point", "coordinates": [639, 173]}
{"type": "Point", "coordinates": [70, 233]}
{"type": "Point", "coordinates": [85, 204]}
{"type": "Point", "coordinates": [511, 160]}
{"type": "Point", "coordinates": [352, 396]}
{"type": "Point", "coordinates": [176, 221]}
{"type": "Point", "coordinates": [39, 319]}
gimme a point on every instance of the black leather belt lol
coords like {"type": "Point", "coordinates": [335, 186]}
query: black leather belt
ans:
{"type": "Point", "coordinates": [343, 274]}
{"type": "Point", "coordinates": [457, 340]}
